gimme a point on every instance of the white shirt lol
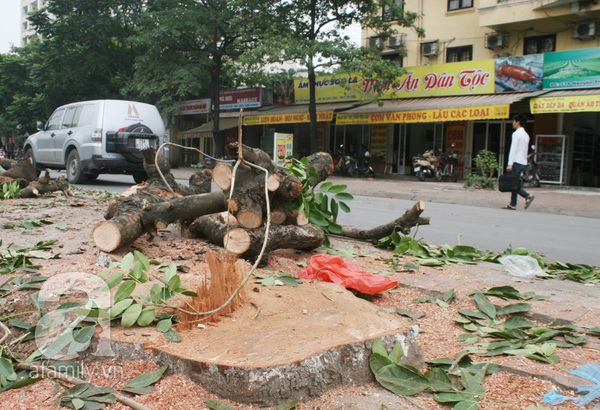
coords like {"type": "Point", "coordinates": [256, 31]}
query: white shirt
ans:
{"type": "Point", "coordinates": [519, 146]}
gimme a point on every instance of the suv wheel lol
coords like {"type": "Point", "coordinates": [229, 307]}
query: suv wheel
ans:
{"type": "Point", "coordinates": [74, 174]}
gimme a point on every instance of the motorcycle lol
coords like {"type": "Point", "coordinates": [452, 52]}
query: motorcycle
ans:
{"type": "Point", "coordinates": [447, 163]}
{"type": "Point", "coordinates": [427, 166]}
{"type": "Point", "coordinates": [345, 165]}
{"type": "Point", "coordinates": [530, 173]}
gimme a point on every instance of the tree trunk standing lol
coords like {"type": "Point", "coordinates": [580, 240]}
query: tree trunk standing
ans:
{"type": "Point", "coordinates": [215, 91]}
{"type": "Point", "coordinates": [312, 105]}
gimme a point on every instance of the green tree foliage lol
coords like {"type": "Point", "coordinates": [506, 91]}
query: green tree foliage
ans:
{"type": "Point", "coordinates": [193, 48]}
{"type": "Point", "coordinates": [86, 51]}
{"type": "Point", "coordinates": [310, 33]}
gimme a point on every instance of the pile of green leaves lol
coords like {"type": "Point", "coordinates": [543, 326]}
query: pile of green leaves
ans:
{"type": "Point", "coordinates": [10, 190]}
{"type": "Point", "coordinates": [460, 254]}
{"type": "Point", "coordinates": [511, 333]}
{"type": "Point", "coordinates": [19, 257]}
{"type": "Point", "coordinates": [461, 387]}
{"type": "Point", "coordinates": [322, 204]}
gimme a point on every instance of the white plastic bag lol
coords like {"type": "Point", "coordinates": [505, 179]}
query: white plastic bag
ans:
{"type": "Point", "coordinates": [523, 266]}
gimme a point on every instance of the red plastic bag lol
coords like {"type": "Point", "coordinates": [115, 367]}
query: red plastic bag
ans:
{"type": "Point", "coordinates": [330, 268]}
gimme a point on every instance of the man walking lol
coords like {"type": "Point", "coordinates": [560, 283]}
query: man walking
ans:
{"type": "Point", "coordinates": [517, 160]}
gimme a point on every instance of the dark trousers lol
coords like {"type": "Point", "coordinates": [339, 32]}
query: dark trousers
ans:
{"type": "Point", "coordinates": [517, 169]}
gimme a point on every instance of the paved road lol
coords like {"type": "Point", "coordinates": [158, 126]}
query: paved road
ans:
{"type": "Point", "coordinates": [562, 223]}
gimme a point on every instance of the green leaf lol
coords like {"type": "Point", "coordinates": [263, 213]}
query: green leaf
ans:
{"type": "Point", "coordinates": [119, 307]}
{"type": "Point", "coordinates": [485, 305]}
{"type": "Point", "coordinates": [217, 405]}
{"type": "Point", "coordinates": [514, 308]}
{"type": "Point", "coordinates": [164, 325]}
{"type": "Point", "coordinates": [402, 380]}
{"type": "Point", "coordinates": [131, 314]}
{"type": "Point", "coordinates": [146, 379]}
{"type": "Point", "coordinates": [396, 354]}
{"type": "Point", "coordinates": [172, 336]}
{"type": "Point", "coordinates": [125, 290]}
{"type": "Point", "coordinates": [147, 316]}
{"type": "Point", "coordinates": [409, 313]}
{"type": "Point", "coordinates": [127, 262]}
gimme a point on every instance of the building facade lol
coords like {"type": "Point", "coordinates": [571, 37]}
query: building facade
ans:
{"type": "Point", "coordinates": [522, 37]}
{"type": "Point", "coordinates": [27, 6]}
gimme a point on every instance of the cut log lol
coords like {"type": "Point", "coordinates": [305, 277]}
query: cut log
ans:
{"type": "Point", "coordinates": [44, 185]}
{"type": "Point", "coordinates": [137, 215]}
{"type": "Point", "coordinates": [199, 183]}
{"type": "Point", "coordinates": [404, 224]}
{"type": "Point", "coordinates": [22, 168]}
{"type": "Point", "coordinates": [222, 175]}
{"type": "Point", "coordinates": [249, 242]}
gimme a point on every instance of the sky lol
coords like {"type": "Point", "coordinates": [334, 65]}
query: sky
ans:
{"type": "Point", "coordinates": [10, 16]}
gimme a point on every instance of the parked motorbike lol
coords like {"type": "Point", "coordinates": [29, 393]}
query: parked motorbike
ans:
{"type": "Point", "coordinates": [531, 174]}
{"type": "Point", "coordinates": [345, 165]}
{"type": "Point", "coordinates": [427, 166]}
{"type": "Point", "coordinates": [448, 165]}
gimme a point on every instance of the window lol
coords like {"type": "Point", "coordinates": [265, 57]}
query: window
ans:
{"type": "Point", "coordinates": [54, 121]}
{"type": "Point", "coordinates": [540, 44]}
{"type": "Point", "coordinates": [459, 4]}
{"type": "Point", "coordinates": [395, 58]}
{"type": "Point", "coordinates": [392, 11]}
{"type": "Point", "coordinates": [464, 53]}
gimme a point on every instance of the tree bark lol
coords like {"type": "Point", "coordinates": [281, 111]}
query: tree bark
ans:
{"type": "Point", "coordinates": [248, 242]}
{"type": "Point", "coordinates": [22, 168]}
{"type": "Point", "coordinates": [44, 185]}
{"type": "Point", "coordinates": [405, 223]}
{"type": "Point", "coordinates": [136, 215]}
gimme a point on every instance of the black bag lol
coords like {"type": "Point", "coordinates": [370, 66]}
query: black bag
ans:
{"type": "Point", "coordinates": [509, 182]}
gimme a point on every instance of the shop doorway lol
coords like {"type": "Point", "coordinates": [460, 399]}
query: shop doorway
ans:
{"type": "Point", "coordinates": [493, 136]}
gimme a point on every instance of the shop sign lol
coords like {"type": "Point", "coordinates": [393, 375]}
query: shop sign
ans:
{"type": "Point", "coordinates": [322, 116]}
{"type": "Point", "coordinates": [194, 107]}
{"type": "Point", "coordinates": [242, 98]}
{"type": "Point", "coordinates": [522, 73]}
{"type": "Point", "coordinates": [284, 147]}
{"type": "Point", "coordinates": [455, 137]}
{"type": "Point", "coordinates": [436, 115]}
{"type": "Point", "coordinates": [461, 78]}
{"type": "Point", "coordinates": [579, 103]}
{"type": "Point", "coordinates": [572, 69]}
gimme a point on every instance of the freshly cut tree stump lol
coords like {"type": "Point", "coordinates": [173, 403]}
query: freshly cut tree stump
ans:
{"type": "Point", "coordinates": [248, 242]}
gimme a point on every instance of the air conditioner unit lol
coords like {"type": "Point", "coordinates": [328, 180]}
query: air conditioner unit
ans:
{"type": "Point", "coordinates": [396, 41]}
{"type": "Point", "coordinates": [429, 49]}
{"type": "Point", "coordinates": [496, 40]}
{"type": "Point", "coordinates": [585, 30]}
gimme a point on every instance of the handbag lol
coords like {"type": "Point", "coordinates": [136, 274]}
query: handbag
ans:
{"type": "Point", "coordinates": [509, 182]}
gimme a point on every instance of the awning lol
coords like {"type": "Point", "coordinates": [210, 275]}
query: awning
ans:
{"type": "Point", "coordinates": [205, 130]}
{"type": "Point", "coordinates": [295, 114]}
{"type": "Point", "coordinates": [434, 109]}
{"type": "Point", "coordinates": [558, 101]}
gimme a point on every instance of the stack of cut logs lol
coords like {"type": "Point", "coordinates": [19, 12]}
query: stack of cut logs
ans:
{"type": "Point", "coordinates": [23, 172]}
{"type": "Point", "coordinates": [236, 217]}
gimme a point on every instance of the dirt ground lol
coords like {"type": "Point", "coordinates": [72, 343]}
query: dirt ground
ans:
{"type": "Point", "coordinates": [70, 223]}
